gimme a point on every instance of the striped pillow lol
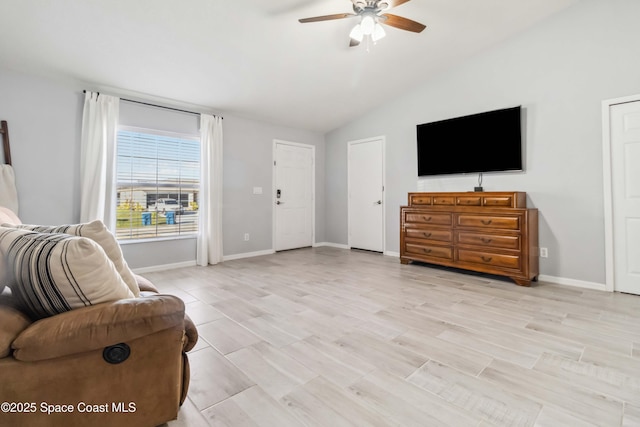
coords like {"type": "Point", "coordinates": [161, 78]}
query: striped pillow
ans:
{"type": "Point", "coordinates": [99, 233]}
{"type": "Point", "coordinates": [54, 273]}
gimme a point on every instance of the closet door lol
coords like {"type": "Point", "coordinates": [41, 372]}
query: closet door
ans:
{"type": "Point", "coordinates": [625, 195]}
{"type": "Point", "coordinates": [366, 194]}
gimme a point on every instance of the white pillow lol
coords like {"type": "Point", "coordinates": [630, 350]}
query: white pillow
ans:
{"type": "Point", "coordinates": [54, 273]}
{"type": "Point", "coordinates": [98, 232]}
{"type": "Point", "coordinates": [6, 215]}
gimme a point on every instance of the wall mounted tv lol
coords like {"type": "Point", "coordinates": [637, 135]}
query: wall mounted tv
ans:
{"type": "Point", "coordinates": [485, 142]}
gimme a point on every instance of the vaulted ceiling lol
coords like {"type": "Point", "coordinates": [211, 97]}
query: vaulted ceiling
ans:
{"type": "Point", "coordinates": [253, 58]}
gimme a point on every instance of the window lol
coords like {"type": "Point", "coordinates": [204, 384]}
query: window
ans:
{"type": "Point", "coordinates": [158, 184]}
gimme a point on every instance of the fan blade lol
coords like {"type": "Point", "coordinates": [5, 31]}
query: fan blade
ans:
{"type": "Point", "coordinates": [395, 3]}
{"type": "Point", "coordinates": [402, 23]}
{"type": "Point", "coordinates": [326, 17]}
{"type": "Point", "coordinates": [353, 42]}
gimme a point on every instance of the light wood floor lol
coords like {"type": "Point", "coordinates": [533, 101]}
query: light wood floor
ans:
{"type": "Point", "coordinates": [330, 337]}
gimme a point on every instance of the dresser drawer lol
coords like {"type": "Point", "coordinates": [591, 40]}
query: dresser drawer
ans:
{"type": "Point", "coordinates": [489, 259]}
{"type": "Point", "coordinates": [469, 201]}
{"type": "Point", "coordinates": [429, 234]}
{"type": "Point", "coordinates": [428, 218]}
{"type": "Point", "coordinates": [444, 200]}
{"type": "Point", "coordinates": [442, 252]}
{"type": "Point", "coordinates": [505, 222]}
{"type": "Point", "coordinates": [417, 199]}
{"type": "Point", "coordinates": [489, 240]}
{"type": "Point", "coordinates": [505, 201]}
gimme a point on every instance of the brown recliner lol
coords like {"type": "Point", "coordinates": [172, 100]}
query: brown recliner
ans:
{"type": "Point", "coordinates": [121, 363]}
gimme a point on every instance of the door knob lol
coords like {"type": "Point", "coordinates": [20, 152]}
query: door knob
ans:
{"type": "Point", "coordinates": [278, 202]}
{"type": "Point", "coordinates": [379, 202]}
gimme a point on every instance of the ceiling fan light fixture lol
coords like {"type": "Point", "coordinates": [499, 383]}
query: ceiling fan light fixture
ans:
{"type": "Point", "coordinates": [368, 24]}
{"type": "Point", "coordinates": [378, 32]}
{"type": "Point", "coordinates": [357, 33]}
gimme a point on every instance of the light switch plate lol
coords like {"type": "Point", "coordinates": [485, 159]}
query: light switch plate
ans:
{"type": "Point", "coordinates": [257, 190]}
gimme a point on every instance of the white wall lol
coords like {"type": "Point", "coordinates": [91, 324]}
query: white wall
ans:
{"type": "Point", "coordinates": [248, 163]}
{"type": "Point", "coordinates": [45, 119]}
{"type": "Point", "coordinates": [559, 71]}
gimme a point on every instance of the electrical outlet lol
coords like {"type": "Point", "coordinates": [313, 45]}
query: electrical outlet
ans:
{"type": "Point", "coordinates": [544, 253]}
{"type": "Point", "coordinates": [246, 237]}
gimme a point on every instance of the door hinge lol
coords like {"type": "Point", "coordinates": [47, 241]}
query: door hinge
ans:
{"type": "Point", "coordinates": [274, 163]}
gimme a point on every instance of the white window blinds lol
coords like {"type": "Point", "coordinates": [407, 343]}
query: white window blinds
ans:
{"type": "Point", "coordinates": [158, 184]}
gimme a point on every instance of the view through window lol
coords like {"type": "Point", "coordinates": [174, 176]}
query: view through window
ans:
{"type": "Point", "coordinates": [158, 184]}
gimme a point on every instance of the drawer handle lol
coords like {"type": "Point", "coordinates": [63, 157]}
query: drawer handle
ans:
{"type": "Point", "coordinates": [487, 258]}
{"type": "Point", "coordinates": [426, 251]}
{"type": "Point", "coordinates": [426, 218]}
{"type": "Point", "coordinates": [486, 221]}
{"type": "Point", "coordinates": [484, 240]}
{"type": "Point", "coordinates": [427, 234]}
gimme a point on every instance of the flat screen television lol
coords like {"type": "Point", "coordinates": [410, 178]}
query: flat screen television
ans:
{"type": "Point", "coordinates": [484, 142]}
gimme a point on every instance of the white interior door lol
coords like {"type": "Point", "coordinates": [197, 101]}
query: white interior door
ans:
{"type": "Point", "coordinates": [293, 195]}
{"type": "Point", "coordinates": [625, 191]}
{"type": "Point", "coordinates": [366, 194]}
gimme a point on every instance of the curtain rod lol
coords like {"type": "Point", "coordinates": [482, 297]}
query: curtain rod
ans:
{"type": "Point", "coordinates": [155, 105]}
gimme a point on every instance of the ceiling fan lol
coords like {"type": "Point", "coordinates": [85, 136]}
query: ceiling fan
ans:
{"type": "Point", "coordinates": [372, 17]}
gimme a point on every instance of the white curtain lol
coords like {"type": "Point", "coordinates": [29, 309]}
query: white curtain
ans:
{"type": "Point", "coordinates": [98, 158]}
{"type": "Point", "coordinates": [210, 231]}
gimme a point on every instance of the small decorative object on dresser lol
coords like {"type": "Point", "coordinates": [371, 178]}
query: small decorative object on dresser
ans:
{"type": "Point", "coordinates": [487, 232]}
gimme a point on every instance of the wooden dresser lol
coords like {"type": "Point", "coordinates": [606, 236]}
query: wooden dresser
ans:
{"type": "Point", "coordinates": [488, 232]}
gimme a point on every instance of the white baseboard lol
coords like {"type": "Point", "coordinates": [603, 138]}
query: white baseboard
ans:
{"type": "Point", "coordinates": [331, 245]}
{"type": "Point", "coordinates": [248, 255]}
{"type": "Point", "coordinates": [341, 246]}
{"type": "Point", "coordinates": [163, 267]}
{"type": "Point", "coordinates": [572, 282]}
{"type": "Point", "coordinates": [271, 251]}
